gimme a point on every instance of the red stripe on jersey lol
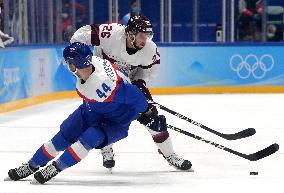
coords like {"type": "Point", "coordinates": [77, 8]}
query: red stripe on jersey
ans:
{"type": "Point", "coordinates": [74, 155]}
{"type": "Point", "coordinates": [95, 40]}
{"type": "Point", "coordinates": [111, 96]}
{"type": "Point", "coordinates": [84, 97]}
{"type": "Point", "coordinates": [46, 153]}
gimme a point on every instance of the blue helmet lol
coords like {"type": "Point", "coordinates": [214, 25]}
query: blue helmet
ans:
{"type": "Point", "coordinates": [78, 54]}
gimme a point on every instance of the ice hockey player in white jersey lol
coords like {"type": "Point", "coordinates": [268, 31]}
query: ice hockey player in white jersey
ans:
{"type": "Point", "coordinates": [131, 48]}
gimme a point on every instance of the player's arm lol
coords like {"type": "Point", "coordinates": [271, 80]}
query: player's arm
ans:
{"type": "Point", "coordinates": [148, 114]}
{"type": "Point", "coordinates": [150, 117]}
{"type": "Point", "coordinates": [135, 98]}
{"type": "Point", "coordinates": [140, 80]}
{"type": "Point", "coordinates": [88, 34]}
{"type": "Point", "coordinates": [145, 73]}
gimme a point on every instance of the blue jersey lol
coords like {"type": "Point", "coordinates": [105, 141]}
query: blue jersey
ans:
{"type": "Point", "coordinates": [110, 103]}
{"type": "Point", "coordinates": [108, 94]}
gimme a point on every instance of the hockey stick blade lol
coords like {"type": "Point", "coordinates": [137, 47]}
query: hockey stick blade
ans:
{"type": "Point", "coordinates": [263, 153]}
{"type": "Point", "coordinates": [234, 136]}
{"type": "Point", "coordinates": [242, 134]}
{"type": "Point", "coordinates": [252, 157]}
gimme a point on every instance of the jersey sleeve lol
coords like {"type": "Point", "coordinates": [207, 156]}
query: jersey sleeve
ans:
{"type": "Point", "coordinates": [109, 34]}
{"type": "Point", "coordinates": [88, 34]}
{"type": "Point", "coordinates": [135, 98]}
{"type": "Point", "coordinates": [149, 68]}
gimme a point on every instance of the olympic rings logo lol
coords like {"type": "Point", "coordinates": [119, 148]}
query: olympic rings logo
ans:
{"type": "Point", "coordinates": [251, 65]}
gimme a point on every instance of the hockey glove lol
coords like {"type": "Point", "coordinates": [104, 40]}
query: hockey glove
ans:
{"type": "Point", "coordinates": [153, 121]}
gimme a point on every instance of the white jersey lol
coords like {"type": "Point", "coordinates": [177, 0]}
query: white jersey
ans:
{"type": "Point", "coordinates": [110, 43]}
{"type": "Point", "coordinates": [102, 83]}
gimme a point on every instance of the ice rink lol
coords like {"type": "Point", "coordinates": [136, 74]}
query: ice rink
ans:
{"type": "Point", "coordinates": [139, 168]}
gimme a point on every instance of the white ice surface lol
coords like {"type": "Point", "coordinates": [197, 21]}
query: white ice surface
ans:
{"type": "Point", "coordinates": [139, 168]}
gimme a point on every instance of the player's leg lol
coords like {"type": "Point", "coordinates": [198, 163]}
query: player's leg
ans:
{"type": "Point", "coordinates": [126, 116]}
{"type": "Point", "coordinates": [70, 129]}
{"type": "Point", "coordinates": [156, 125]}
{"type": "Point", "coordinates": [114, 134]}
{"type": "Point", "coordinates": [108, 156]}
{"type": "Point", "coordinates": [43, 155]}
{"type": "Point", "coordinates": [91, 138]}
{"type": "Point", "coordinates": [161, 137]}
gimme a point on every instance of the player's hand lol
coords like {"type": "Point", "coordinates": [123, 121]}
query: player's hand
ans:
{"type": "Point", "coordinates": [151, 109]}
{"type": "Point", "coordinates": [153, 121]}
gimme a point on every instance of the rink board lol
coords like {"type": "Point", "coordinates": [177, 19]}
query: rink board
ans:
{"type": "Point", "coordinates": [34, 71]}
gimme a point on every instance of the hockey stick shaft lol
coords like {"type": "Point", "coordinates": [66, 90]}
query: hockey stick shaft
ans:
{"type": "Point", "coordinates": [242, 134]}
{"type": "Point", "coordinates": [252, 157]}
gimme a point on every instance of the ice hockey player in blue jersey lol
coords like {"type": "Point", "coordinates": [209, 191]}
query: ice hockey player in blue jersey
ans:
{"type": "Point", "coordinates": [110, 103]}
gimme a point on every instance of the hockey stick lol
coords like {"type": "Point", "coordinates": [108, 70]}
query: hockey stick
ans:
{"type": "Point", "coordinates": [252, 157]}
{"type": "Point", "coordinates": [242, 134]}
